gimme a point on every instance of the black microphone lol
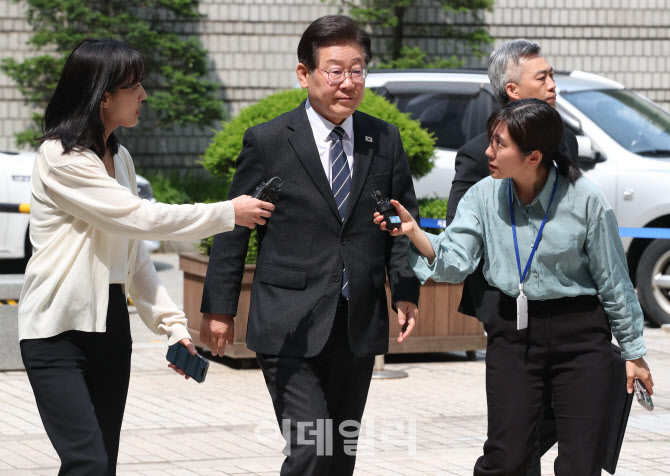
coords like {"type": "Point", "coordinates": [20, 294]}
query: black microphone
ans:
{"type": "Point", "coordinates": [269, 191]}
{"type": "Point", "coordinates": [384, 207]}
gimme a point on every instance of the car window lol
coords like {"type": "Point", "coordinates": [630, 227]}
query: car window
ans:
{"type": "Point", "coordinates": [485, 105]}
{"type": "Point", "coordinates": [454, 117]}
{"type": "Point", "coordinates": [635, 123]}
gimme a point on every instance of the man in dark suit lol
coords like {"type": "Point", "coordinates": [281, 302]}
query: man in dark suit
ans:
{"type": "Point", "coordinates": [517, 70]}
{"type": "Point", "coordinates": [318, 312]}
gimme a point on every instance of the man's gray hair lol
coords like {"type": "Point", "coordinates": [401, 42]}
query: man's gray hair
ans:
{"type": "Point", "coordinates": [503, 65]}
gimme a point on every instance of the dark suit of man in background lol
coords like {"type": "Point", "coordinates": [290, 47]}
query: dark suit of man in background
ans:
{"type": "Point", "coordinates": [517, 70]}
{"type": "Point", "coordinates": [318, 312]}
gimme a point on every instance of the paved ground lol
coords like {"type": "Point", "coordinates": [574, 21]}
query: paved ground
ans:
{"type": "Point", "coordinates": [432, 423]}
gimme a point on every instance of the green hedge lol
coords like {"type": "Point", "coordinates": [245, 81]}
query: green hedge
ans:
{"type": "Point", "coordinates": [220, 156]}
{"type": "Point", "coordinates": [172, 186]}
{"type": "Point", "coordinates": [428, 207]}
{"type": "Point", "coordinates": [219, 159]}
{"type": "Point", "coordinates": [433, 208]}
{"type": "Point", "coordinates": [205, 247]}
{"type": "Point", "coordinates": [175, 187]}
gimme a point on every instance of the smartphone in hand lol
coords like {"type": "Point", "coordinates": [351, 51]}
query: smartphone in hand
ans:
{"type": "Point", "coordinates": [195, 366]}
{"type": "Point", "coordinates": [642, 395]}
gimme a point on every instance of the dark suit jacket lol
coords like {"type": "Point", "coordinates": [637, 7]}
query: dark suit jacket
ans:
{"type": "Point", "coordinates": [305, 245]}
{"type": "Point", "coordinates": [480, 299]}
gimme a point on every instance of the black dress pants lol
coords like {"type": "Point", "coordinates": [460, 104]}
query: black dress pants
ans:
{"type": "Point", "coordinates": [546, 436]}
{"type": "Point", "coordinates": [80, 381]}
{"type": "Point", "coordinates": [319, 403]}
{"type": "Point", "coordinates": [546, 433]}
{"type": "Point", "coordinates": [566, 348]}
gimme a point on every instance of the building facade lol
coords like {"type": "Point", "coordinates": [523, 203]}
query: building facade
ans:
{"type": "Point", "coordinates": [252, 52]}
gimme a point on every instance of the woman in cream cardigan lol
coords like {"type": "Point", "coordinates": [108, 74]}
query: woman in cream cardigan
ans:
{"type": "Point", "coordinates": [86, 228]}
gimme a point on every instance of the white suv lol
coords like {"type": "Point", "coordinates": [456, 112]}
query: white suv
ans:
{"type": "Point", "coordinates": [15, 170]}
{"type": "Point", "coordinates": [624, 147]}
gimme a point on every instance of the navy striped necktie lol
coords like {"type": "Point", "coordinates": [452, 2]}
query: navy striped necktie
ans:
{"type": "Point", "coordinates": [340, 183]}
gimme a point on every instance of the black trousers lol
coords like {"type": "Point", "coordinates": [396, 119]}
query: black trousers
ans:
{"type": "Point", "coordinates": [566, 348]}
{"type": "Point", "coordinates": [546, 433]}
{"type": "Point", "coordinates": [80, 381]}
{"type": "Point", "coordinates": [546, 436]}
{"type": "Point", "coordinates": [319, 404]}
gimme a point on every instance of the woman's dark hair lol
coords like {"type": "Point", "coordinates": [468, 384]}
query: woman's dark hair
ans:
{"type": "Point", "coordinates": [327, 31]}
{"type": "Point", "coordinates": [95, 66]}
{"type": "Point", "coordinates": [535, 125]}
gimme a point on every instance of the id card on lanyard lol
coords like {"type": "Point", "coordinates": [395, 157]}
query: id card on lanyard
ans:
{"type": "Point", "coordinates": [522, 300]}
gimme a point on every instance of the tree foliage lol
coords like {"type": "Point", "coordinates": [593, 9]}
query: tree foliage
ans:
{"type": "Point", "coordinates": [388, 19]}
{"type": "Point", "coordinates": [415, 58]}
{"type": "Point", "coordinates": [177, 63]}
{"type": "Point", "coordinates": [220, 156]}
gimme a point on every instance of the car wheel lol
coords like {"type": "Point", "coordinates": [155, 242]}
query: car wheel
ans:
{"type": "Point", "coordinates": [653, 281]}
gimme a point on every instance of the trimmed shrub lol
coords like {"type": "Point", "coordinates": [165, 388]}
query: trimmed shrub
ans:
{"type": "Point", "coordinates": [433, 208]}
{"type": "Point", "coordinates": [219, 159]}
{"type": "Point", "coordinates": [205, 247]}
{"type": "Point", "coordinates": [428, 208]}
{"type": "Point", "coordinates": [173, 186]}
{"type": "Point", "coordinates": [220, 156]}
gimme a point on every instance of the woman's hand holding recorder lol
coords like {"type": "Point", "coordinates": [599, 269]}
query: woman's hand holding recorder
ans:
{"type": "Point", "coordinates": [408, 227]}
{"type": "Point", "coordinates": [251, 211]}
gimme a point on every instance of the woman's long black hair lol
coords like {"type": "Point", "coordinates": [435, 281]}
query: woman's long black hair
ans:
{"type": "Point", "coordinates": [95, 66]}
{"type": "Point", "coordinates": [535, 125]}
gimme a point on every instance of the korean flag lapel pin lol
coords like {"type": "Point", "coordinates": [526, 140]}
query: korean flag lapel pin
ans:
{"type": "Point", "coordinates": [368, 139]}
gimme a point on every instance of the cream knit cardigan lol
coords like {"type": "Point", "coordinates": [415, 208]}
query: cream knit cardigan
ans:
{"type": "Point", "coordinates": [76, 211]}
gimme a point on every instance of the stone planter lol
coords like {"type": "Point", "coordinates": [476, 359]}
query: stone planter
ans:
{"type": "Point", "coordinates": [441, 328]}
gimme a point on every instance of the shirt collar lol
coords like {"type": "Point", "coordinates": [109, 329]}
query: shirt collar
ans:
{"type": "Point", "coordinates": [544, 196]}
{"type": "Point", "coordinates": [323, 127]}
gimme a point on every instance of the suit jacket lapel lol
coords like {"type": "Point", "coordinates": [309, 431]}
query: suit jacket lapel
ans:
{"type": "Point", "coordinates": [302, 140]}
{"type": "Point", "coordinates": [363, 153]}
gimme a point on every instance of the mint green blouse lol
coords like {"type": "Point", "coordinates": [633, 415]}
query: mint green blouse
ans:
{"type": "Point", "coordinates": [580, 252]}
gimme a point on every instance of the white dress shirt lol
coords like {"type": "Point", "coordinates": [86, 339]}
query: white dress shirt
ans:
{"type": "Point", "coordinates": [321, 128]}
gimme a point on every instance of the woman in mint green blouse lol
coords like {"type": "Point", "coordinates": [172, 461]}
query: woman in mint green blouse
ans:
{"type": "Point", "coordinates": [551, 245]}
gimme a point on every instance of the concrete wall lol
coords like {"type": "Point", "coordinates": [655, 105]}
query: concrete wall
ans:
{"type": "Point", "coordinates": [252, 45]}
{"type": "Point", "coordinates": [14, 33]}
{"type": "Point", "coordinates": [625, 40]}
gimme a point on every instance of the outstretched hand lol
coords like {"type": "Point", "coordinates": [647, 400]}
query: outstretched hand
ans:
{"type": "Point", "coordinates": [409, 227]}
{"type": "Point", "coordinates": [408, 224]}
{"type": "Point", "coordinates": [251, 211]}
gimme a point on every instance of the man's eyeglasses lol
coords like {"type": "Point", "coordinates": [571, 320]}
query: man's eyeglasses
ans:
{"type": "Point", "coordinates": [337, 75]}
